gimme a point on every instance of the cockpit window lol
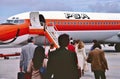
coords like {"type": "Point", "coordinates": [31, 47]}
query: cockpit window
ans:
{"type": "Point", "coordinates": [15, 21]}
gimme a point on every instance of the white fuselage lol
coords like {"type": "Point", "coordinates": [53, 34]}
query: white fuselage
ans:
{"type": "Point", "coordinates": [104, 27]}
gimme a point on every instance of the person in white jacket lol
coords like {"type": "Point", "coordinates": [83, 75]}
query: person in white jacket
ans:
{"type": "Point", "coordinates": [81, 55]}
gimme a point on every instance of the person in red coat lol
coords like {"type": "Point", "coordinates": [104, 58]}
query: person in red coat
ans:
{"type": "Point", "coordinates": [71, 47]}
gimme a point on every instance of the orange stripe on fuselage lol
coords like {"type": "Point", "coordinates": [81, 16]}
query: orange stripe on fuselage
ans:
{"type": "Point", "coordinates": [9, 31]}
{"type": "Point", "coordinates": [76, 25]}
{"type": "Point", "coordinates": [36, 31]}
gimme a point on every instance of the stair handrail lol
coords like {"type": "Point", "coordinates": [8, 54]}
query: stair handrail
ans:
{"type": "Point", "coordinates": [52, 33]}
{"type": "Point", "coordinates": [52, 24]}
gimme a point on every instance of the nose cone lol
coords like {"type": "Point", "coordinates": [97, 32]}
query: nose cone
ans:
{"type": "Point", "coordinates": [9, 31]}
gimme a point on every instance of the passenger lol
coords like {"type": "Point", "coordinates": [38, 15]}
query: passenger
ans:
{"type": "Point", "coordinates": [94, 42]}
{"type": "Point", "coordinates": [98, 62]}
{"type": "Point", "coordinates": [27, 54]}
{"type": "Point", "coordinates": [71, 40]}
{"type": "Point", "coordinates": [52, 47]}
{"type": "Point", "coordinates": [76, 43]}
{"type": "Point", "coordinates": [70, 46]}
{"type": "Point", "coordinates": [81, 55]}
{"type": "Point", "coordinates": [62, 62]}
{"type": "Point", "coordinates": [36, 63]}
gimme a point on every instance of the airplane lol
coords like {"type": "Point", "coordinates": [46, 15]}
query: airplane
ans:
{"type": "Point", "coordinates": [86, 26]}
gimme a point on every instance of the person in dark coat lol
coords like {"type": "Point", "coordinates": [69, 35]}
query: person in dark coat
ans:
{"type": "Point", "coordinates": [62, 63]}
{"type": "Point", "coordinates": [95, 42]}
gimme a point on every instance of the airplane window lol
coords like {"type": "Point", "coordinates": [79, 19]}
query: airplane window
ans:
{"type": "Point", "coordinates": [15, 21]}
{"type": "Point", "coordinates": [13, 18]}
{"type": "Point", "coordinates": [9, 21]}
{"type": "Point", "coordinates": [98, 23]}
{"type": "Point", "coordinates": [86, 23]}
{"type": "Point", "coordinates": [59, 22]}
{"type": "Point", "coordinates": [68, 22]}
{"type": "Point", "coordinates": [21, 21]}
{"type": "Point", "coordinates": [92, 22]}
{"type": "Point", "coordinates": [112, 23]}
{"type": "Point", "coordinates": [74, 22]}
{"type": "Point", "coordinates": [51, 22]}
{"type": "Point", "coordinates": [64, 22]}
{"type": "Point", "coordinates": [17, 18]}
{"type": "Point", "coordinates": [95, 22]}
{"type": "Point", "coordinates": [54, 22]}
{"type": "Point", "coordinates": [80, 22]}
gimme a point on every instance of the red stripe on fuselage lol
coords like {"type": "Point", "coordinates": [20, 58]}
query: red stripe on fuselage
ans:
{"type": "Point", "coordinates": [76, 25]}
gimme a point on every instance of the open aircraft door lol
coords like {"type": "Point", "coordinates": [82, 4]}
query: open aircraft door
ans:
{"type": "Point", "coordinates": [36, 19]}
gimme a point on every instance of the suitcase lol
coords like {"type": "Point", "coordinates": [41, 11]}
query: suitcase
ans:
{"type": "Point", "coordinates": [21, 75]}
{"type": "Point", "coordinates": [27, 75]}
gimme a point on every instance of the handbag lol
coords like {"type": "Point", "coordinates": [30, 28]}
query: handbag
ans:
{"type": "Point", "coordinates": [44, 66]}
{"type": "Point", "coordinates": [42, 70]}
{"type": "Point", "coordinates": [89, 60]}
{"type": "Point", "coordinates": [20, 75]}
{"type": "Point", "coordinates": [23, 75]}
{"type": "Point", "coordinates": [28, 75]}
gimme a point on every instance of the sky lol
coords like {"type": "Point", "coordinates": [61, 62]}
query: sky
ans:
{"type": "Point", "coordinates": [13, 7]}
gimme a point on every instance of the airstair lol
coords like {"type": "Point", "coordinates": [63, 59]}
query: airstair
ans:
{"type": "Point", "coordinates": [40, 27]}
{"type": "Point", "coordinates": [52, 35]}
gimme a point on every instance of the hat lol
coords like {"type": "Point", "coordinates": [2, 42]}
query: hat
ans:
{"type": "Point", "coordinates": [31, 39]}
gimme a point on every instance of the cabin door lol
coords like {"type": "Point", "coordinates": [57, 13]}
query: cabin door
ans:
{"type": "Point", "coordinates": [36, 19]}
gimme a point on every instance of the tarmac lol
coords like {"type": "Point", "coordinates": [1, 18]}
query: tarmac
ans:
{"type": "Point", "coordinates": [10, 67]}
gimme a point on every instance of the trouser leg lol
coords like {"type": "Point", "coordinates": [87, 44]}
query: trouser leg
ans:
{"type": "Point", "coordinates": [102, 75]}
{"type": "Point", "coordinates": [96, 74]}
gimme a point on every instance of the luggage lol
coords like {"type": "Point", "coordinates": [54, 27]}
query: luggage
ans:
{"type": "Point", "coordinates": [42, 70]}
{"type": "Point", "coordinates": [22, 75]}
{"type": "Point", "coordinates": [28, 75]}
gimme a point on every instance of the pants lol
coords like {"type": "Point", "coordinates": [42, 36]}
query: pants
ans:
{"type": "Point", "coordinates": [99, 74]}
